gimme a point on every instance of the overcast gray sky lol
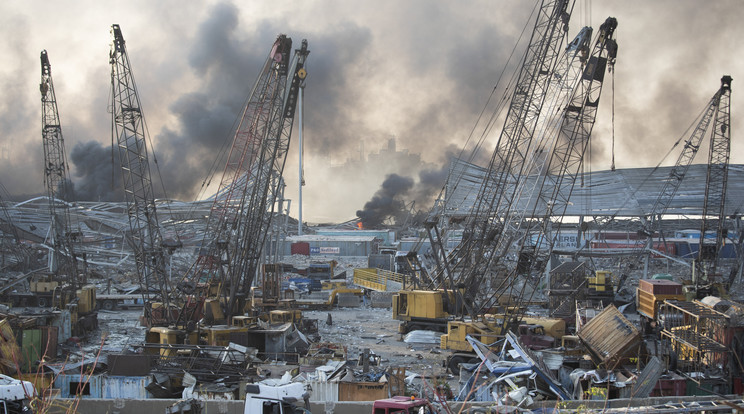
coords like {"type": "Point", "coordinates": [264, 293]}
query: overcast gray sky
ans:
{"type": "Point", "coordinates": [419, 71]}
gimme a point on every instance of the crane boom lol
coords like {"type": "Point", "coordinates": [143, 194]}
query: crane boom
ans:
{"type": "Point", "coordinates": [716, 181]}
{"type": "Point", "coordinates": [129, 130]}
{"type": "Point", "coordinates": [651, 224]}
{"type": "Point", "coordinates": [243, 207]}
{"type": "Point", "coordinates": [267, 183]}
{"type": "Point", "coordinates": [555, 174]}
{"type": "Point", "coordinates": [577, 121]}
{"type": "Point", "coordinates": [57, 180]}
{"type": "Point", "coordinates": [490, 228]}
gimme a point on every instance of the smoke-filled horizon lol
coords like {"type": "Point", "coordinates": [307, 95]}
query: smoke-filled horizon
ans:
{"type": "Point", "coordinates": [419, 71]}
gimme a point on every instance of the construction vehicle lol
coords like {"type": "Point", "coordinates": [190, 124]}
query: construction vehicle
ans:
{"type": "Point", "coordinates": [218, 288]}
{"type": "Point", "coordinates": [716, 181]}
{"type": "Point", "coordinates": [244, 204]}
{"type": "Point", "coordinates": [488, 330]}
{"type": "Point", "coordinates": [494, 225]}
{"type": "Point", "coordinates": [61, 287]}
{"type": "Point", "coordinates": [402, 404]}
{"type": "Point", "coordinates": [151, 250]}
{"type": "Point", "coordinates": [506, 247]}
{"type": "Point", "coordinates": [716, 111]}
{"type": "Point", "coordinates": [280, 399]}
{"type": "Point", "coordinates": [424, 309]}
{"type": "Point", "coordinates": [63, 257]}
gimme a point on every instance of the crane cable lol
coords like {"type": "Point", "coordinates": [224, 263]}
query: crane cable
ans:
{"type": "Point", "coordinates": [612, 165]}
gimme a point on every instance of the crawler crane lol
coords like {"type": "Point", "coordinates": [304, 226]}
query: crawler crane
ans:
{"type": "Point", "coordinates": [150, 250]}
{"type": "Point", "coordinates": [716, 181]}
{"type": "Point", "coordinates": [501, 229]}
{"type": "Point", "coordinates": [244, 204]}
{"type": "Point", "coordinates": [64, 285]}
{"type": "Point", "coordinates": [717, 111]}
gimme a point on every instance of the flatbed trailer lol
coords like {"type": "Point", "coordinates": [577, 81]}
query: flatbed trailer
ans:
{"type": "Point", "coordinates": [119, 301]}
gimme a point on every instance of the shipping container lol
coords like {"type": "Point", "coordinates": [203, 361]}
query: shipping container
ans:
{"type": "Point", "coordinates": [302, 248]}
{"type": "Point", "coordinates": [125, 387]}
{"type": "Point", "coordinates": [660, 286]}
{"type": "Point", "coordinates": [362, 391]}
{"type": "Point", "coordinates": [610, 337]}
{"type": "Point", "coordinates": [671, 384]}
{"type": "Point", "coordinates": [77, 385]}
{"type": "Point", "coordinates": [333, 245]}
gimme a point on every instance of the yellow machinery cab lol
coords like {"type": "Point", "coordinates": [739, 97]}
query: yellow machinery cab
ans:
{"type": "Point", "coordinates": [244, 321]}
{"type": "Point", "coordinates": [86, 299]}
{"type": "Point", "coordinates": [169, 336]}
{"type": "Point", "coordinates": [285, 316]}
{"type": "Point", "coordinates": [220, 335]}
{"type": "Point", "coordinates": [455, 338]}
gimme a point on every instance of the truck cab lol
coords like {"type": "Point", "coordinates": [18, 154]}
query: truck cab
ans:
{"type": "Point", "coordinates": [15, 395]}
{"type": "Point", "coordinates": [533, 337]}
{"type": "Point", "coordinates": [281, 399]}
{"type": "Point", "coordinates": [402, 405]}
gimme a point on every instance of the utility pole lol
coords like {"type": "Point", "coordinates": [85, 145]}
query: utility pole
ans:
{"type": "Point", "coordinates": [302, 175]}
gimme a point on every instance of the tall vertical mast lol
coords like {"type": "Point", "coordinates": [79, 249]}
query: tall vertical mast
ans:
{"type": "Point", "coordinates": [57, 179]}
{"type": "Point", "coordinates": [129, 132]}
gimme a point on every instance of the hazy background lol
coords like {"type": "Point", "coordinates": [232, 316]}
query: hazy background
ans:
{"type": "Point", "coordinates": [418, 72]}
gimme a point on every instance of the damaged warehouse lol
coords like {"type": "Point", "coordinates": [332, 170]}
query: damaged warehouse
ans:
{"type": "Point", "coordinates": [533, 284]}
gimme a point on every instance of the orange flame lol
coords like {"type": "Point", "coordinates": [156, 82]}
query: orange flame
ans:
{"type": "Point", "coordinates": [359, 225]}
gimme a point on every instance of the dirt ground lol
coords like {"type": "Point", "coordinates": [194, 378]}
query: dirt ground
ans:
{"type": "Point", "coordinates": [376, 330]}
{"type": "Point", "coordinates": [356, 328]}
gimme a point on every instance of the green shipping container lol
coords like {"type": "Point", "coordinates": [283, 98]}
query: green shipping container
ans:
{"type": "Point", "coordinates": [708, 387]}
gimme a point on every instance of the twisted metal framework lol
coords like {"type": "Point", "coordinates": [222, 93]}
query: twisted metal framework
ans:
{"type": "Point", "coordinates": [57, 180]}
{"type": "Point", "coordinates": [243, 207]}
{"type": "Point", "coordinates": [651, 224]}
{"type": "Point", "coordinates": [146, 239]}
{"type": "Point", "coordinates": [716, 181]}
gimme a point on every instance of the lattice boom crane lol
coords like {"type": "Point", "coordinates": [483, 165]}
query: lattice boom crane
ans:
{"type": "Point", "coordinates": [243, 206]}
{"type": "Point", "coordinates": [57, 180]}
{"type": "Point", "coordinates": [129, 132]}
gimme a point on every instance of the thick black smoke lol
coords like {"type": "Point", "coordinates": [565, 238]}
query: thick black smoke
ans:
{"type": "Point", "coordinates": [228, 60]}
{"type": "Point", "coordinates": [99, 175]}
{"type": "Point", "coordinates": [226, 56]}
{"type": "Point", "coordinates": [387, 203]}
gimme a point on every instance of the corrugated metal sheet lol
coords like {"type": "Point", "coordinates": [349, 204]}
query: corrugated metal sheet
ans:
{"type": "Point", "coordinates": [125, 387]}
{"type": "Point", "coordinates": [347, 245]}
{"type": "Point", "coordinates": [71, 385]}
{"type": "Point", "coordinates": [629, 192]}
{"type": "Point", "coordinates": [323, 391]}
{"type": "Point", "coordinates": [63, 321]}
{"type": "Point", "coordinates": [646, 382]}
{"type": "Point", "coordinates": [609, 336]}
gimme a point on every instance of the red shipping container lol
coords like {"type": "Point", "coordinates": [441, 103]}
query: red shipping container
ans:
{"type": "Point", "coordinates": [675, 385]}
{"type": "Point", "coordinates": [660, 286]}
{"type": "Point", "coordinates": [302, 248]}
